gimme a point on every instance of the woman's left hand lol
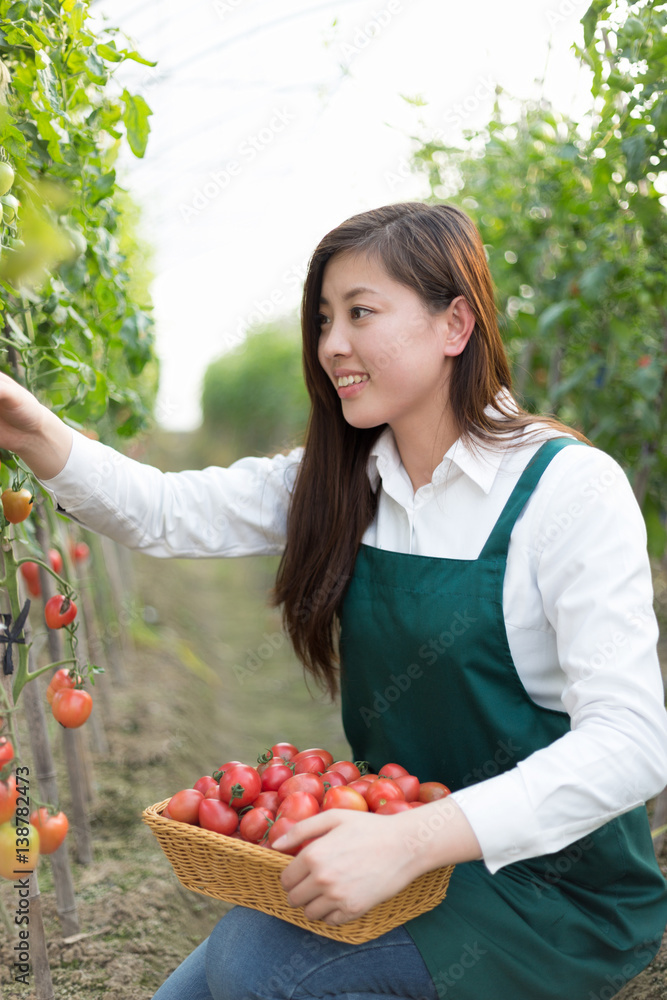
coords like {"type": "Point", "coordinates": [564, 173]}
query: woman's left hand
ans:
{"type": "Point", "coordinates": [358, 860]}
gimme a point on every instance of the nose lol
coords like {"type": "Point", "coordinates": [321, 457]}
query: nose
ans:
{"type": "Point", "coordinates": [334, 341]}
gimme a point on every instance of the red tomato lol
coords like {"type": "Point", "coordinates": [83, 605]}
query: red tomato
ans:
{"type": "Point", "coordinates": [8, 796]}
{"type": "Point", "coordinates": [16, 505]}
{"type": "Point", "coordinates": [274, 777]}
{"type": "Point", "coordinates": [285, 750]}
{"type": "Point", "coordinates": [217, 774]}
{"type": "Point", "coordinates": [6, 750]}
{"type": "Point", "coordinates": [314, 764]}
{"type": "Point", "coordinates": [267, 800]}
{"type": "Point", "coordinates": [280, 827]}
{"type": "Point", "coordinates": [430, 791]}
{"type": "Point", "coordinates": [344, 797]}
{"type": "Point", "coordinates": [389, 808]}
{"type": "Point", "coordinates": [392, 771]}
{"type": "Point", "coordinates": [217, 816]}
{"type": "Point", "coordinates": [30, 573]}
{"type": "Point", "coordinates": [204, 783]}
{"type": "Point", "coordinates": [81, 552]}
{"type": "Point", "coordinates": [10, 844]}
{"type": "Point", "coordinates": [262, 763]}
{"type": "Point", "coordinates": [212, 792]}
{"type": "Point", "coordinates": [369, 778]}
{"type": "Point", "coordinates": [60, 680]}
{"type": "Point", "coordinates": [311, 783]}
{"type": "Point", "coordinates": [299, 805]}
{"type": "Point", "coordinates": [319, 752]}
{"type": "Point", "coordinates": [409, 785]}
{"type": "Point", "coordinates": [72, 707]}
{"type": "Point", "coordinates": [184, 806]}
{"type": "Point", "coordinates": [383, 790]}
{"type": "Point", "coordinates": [240, 786]}
{"type": "Point", "coordinates": [349, 770]}
{"type": "Point", "coordinates": [59, 611]}
{"type": "Point", "coordinates": [52, 829]}
{"type": "Point", "coordinates": [255, 824]}
{"type": "Point", "coordinates": [56, 561]}
{"type": "Point", "coordinates": [360, 786]}
{"type": "Point", "coordinates": [333, 778]}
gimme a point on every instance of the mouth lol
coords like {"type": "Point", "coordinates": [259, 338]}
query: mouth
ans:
{"type": "Point", "coordinates": [351, 385]}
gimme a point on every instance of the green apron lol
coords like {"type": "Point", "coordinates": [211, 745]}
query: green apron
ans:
{"type": "Point", "coordinates": [428, 681]}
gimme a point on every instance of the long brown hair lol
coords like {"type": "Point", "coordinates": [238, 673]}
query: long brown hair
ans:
{"type": "Point", "coordinates": [437, 251]}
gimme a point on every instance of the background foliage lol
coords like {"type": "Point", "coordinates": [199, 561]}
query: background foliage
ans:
{"type": "Point", "coordinates": [80, 323]}
{"type": "Point", "coordinates": [574, 225]}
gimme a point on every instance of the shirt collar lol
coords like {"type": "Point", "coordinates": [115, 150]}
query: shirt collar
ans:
{"type": "Point", "coordinates": [477, 459]}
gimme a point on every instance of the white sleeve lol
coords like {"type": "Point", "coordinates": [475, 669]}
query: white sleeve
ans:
{"type": "Point", "coordinates": [594, 577]}
{"type": "Point", "coordinates": [238, 511]}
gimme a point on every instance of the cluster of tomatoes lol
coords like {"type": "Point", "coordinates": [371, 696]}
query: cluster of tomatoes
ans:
{"type": "Point", "coordinates": [259, 804]}
{"type": "Point", "coordinates": [42, 834]}
{"type": "Point", "coordinates": [70, 704]}
{"type": "Point", "coordinates": [59, 610]}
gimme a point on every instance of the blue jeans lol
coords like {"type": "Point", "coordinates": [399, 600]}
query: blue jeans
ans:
{"type": "Point", "coordinates": [251, 956]}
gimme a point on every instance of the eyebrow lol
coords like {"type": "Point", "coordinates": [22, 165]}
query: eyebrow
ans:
{"type": "Point", "coordinates": [351, 294]}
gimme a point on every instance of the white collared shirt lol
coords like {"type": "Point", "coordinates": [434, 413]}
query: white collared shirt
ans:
{"type": "Point", "coordinates": [577, 601]}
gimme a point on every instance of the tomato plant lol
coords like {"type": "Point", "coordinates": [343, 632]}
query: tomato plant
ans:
{"type": "Point", "coordinates": [6, 176]}
{"type": "Point", "coordinates": [71, 707]}
{"type": "Point", "coordinates": [52, 829]}
{"type": "Point", "coordinates": [22, 841]}
{"type": "Point", "coordinates": [30, 573]}
{"type": "Point", "coordinates": [59, 611]}
{"type": "Point", "coordinates": [16, 504]}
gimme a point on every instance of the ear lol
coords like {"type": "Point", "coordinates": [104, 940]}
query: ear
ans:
{"type": "Point", "coordinates": [459, 322]}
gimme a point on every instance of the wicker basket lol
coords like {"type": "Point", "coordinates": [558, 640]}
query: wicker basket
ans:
{"type": "Point", "coordinates": [247, 874]}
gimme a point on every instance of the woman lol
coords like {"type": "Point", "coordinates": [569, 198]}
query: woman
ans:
{"type": "Point", "coordinates": [488, 573]}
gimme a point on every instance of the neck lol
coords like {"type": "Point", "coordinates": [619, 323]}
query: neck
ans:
{"type": "Point", "coordinates": [422, 448]}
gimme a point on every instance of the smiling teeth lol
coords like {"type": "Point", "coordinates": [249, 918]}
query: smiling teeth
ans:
{"type": "Point", "coordinates": [350, 379]}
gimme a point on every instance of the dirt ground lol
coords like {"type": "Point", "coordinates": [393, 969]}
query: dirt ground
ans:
{"type": "Point", "coordinates": [197, 692]}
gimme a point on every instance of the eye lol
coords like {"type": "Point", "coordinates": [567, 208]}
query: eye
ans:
{"type": "Point", "coordinates": [321, 319]}
{"type": "Point", "coordinates": [357, 309]}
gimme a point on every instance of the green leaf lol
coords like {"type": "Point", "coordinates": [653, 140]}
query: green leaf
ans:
{"type": "Point", "coordinates": [135, 119]}
{"type": "Point", "coordinates": [552, 314]}
{"type": "Point", "coordinates": [109, 52]}
{"type": "Point", "coordinates": [655, 528]}
{"type": "Point", "coordinates": [102, 186]}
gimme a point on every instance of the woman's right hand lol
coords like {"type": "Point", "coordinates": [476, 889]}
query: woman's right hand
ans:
{"type": "Point", "coordinates": [30, 430]}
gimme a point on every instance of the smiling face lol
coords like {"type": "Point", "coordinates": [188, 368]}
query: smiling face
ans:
{"type": "Point", "coordinates": [385, 353]}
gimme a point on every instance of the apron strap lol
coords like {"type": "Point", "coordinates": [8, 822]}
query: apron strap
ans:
{"type": "Point", "coordinates": [497, 543]}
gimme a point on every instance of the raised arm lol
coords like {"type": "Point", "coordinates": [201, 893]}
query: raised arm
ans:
{"type": "Point", "coordinates": [32, 431]}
